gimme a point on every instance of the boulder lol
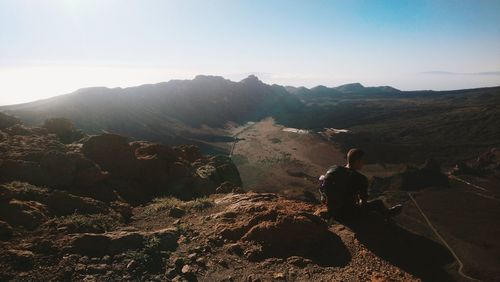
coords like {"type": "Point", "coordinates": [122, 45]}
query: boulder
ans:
{"type": "Point", "coordinates": [63, 203]}
{"type": "Point", "coordinates": [267, 226]}
{"type": "Point", "coordinates": [123, 241]}
{"type": "Point", "coordinates": [90, 244]}
{"type": "Point", "coordinates": [64, 129]}
{"type": "Point", "coordinates": [124, 209]}
{"type": "Point", "coordinates": [113, 154]}
{"type": "Point", "coordinates": [28, 214]}
{"type": "Point", "coordinates": [59, 167]}
{"type": "Point", "coordinates": [167, 238]}
{"type": "Point", "coordinates": [5, 230]}
{"type": "Point", "coordinates": [228, 187]}
{"type": "Point", "coordinates": [176, 212]}
{"type": "Point", "coordinates": [179, 170]}
{"type": "Point", "coordinates": [21, 259]}
{"type": "Point", "coordinates": [87, 173]}
{"type": "Point", "coordinates": [116, 242]}
{"type": "Point", "coordinates": [295, 234]}
{"type": "Point", "coordinates": [218, 170]}
{"type": "Point", "coordinates": [188, 152]}
{"type": "Point", "coordinates": [21, 170]}
{"type": "Point", "coordinates": [162, 152]}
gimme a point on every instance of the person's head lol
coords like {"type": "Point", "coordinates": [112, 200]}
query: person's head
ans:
{"type": "Point", "coordinates": [355, 158]}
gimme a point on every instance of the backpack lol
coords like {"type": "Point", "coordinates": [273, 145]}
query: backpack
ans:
{"type": "Point", "coordinates": [333, 186]}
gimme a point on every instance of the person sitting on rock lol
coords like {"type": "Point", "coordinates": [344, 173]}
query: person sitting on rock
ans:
{"type": "Point", "coordinates": [344, 190]}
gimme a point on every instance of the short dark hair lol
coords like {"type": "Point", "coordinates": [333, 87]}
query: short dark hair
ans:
{"type": "Point", "coordinates": [354, 155]}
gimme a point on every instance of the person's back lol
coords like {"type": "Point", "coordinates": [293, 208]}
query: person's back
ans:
{"type": "Point", "coordinates": [346, 190]}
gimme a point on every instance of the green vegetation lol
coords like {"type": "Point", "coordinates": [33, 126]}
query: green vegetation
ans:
{"type": "Point", "coordinates": [23, 190]}
{"type": "Point", "coordinates": [97, 223]}
{"type": "Point", "coordinates": [150, 258]}
{"type": "Point", "coordinates": [165, 204]}
{"type": "Point", "coordinates": [23, 187]}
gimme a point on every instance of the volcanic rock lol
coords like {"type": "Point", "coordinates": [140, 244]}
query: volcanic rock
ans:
{"type": "Point", "coordinates": [112, 153]}
{"type": "Point", "coordinates": [28, 214]}
{"type": "Point", "coordinates": [5, 230]}
{"type": "Point", "coordinates": [63, 203]}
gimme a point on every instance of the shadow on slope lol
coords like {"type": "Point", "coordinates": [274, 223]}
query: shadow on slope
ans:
{"type": "Point", "coordinates": [415, 254]}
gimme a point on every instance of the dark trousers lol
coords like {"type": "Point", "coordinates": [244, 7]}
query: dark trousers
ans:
{"type": "Point", "coordinates": [376, 205]}
{"type": "Point", "coordinates": [354, 212]}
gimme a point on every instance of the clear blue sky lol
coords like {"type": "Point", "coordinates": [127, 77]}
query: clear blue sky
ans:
{"type": "Point", "coordinates": [53, 47]}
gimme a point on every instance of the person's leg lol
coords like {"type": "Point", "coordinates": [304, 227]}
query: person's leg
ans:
{"type": "Point", "coordinates": [378, 205]}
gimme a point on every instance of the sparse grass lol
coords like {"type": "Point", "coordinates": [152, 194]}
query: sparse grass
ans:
{"type": "Point", "coordinates": [89, 222]}
{"type": "Point", "coordinates": [182, 229]}
{"type": "Point", "coordinates": [23, 187]}
{"type": "Point", "coordinates": [23, 191]}
{"type": "Point", "coordinates": [200, 204]}
{"type": "Point", "coordinates": [164, 204]}
{"type": "Point", "coordinates": [150, 258]}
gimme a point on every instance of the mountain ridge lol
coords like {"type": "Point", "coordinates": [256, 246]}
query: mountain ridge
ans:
{"type": "Point", "coordinates": [199, 111]}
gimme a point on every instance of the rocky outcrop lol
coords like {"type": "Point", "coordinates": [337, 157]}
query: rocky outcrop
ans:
{"type": "Point", "coordinates": [5, 230]}
{"type": "Point", "coordinates": [156, 169]}
{"type": "Point", "coordinates": [107, 167]}
{"type": "Point", "coordinates": [7, 121]}
{"type": "Point", "coordinates": [486, 163]}
{"type": "Point", "coordinates": [42, 160]}
{"type": "Point", "coordinates": [118, 242]}
{"type": "Point", "coordinates": [63, 203]}
{"type": "Point", "coordinates": [27, 214]}
{"type": "Point", "coordinates": [271, 227]}
{"type": "Point", "coordinates": [113, 154]}
{"type": "Point", "coordinates": [64, 129]}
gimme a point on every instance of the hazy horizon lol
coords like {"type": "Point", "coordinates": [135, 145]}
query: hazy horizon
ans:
{"type": "Point", "coordinates": [50, 48]}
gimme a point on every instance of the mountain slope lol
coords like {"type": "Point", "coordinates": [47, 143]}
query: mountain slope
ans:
{"type": "Point", "coordinates": [171, 112]}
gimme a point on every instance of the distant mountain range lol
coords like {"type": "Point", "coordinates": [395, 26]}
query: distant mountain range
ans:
{"type": "Point", "coordinates": [194, 111]}
{"type": "Point", "coordinates": [351, 88]}
{"type": "Point", "coordinates": [170, 111]}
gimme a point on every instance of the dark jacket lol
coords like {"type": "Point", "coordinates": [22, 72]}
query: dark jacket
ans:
{"type": "Point", "coordinates": [344, 197]}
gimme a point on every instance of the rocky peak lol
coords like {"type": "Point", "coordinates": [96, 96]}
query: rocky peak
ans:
{"type": "Point", "coordinates": [252, 79]}
{"type": "Point", "coordinates": [351, 87]}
